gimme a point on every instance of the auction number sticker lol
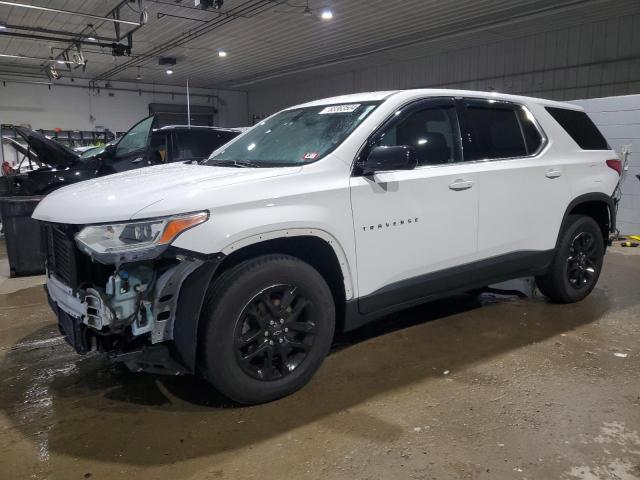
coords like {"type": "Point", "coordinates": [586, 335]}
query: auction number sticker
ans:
{"type": "Point", "coordinates": [340, 109]}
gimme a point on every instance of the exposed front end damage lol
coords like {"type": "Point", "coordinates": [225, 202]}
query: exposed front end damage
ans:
{"type": "Point", "coordinates": [130, 311]}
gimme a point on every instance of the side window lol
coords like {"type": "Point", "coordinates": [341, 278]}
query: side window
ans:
{"type": "Point", "coordinates": [532, 136]}
{"type": "Point", "coordinates": [158, 147]}
{"type": "Point", "coordinates": [433, 132]}
{"type": "Point", "coordinates": [495, 133]}
{"type": "Point", "coordinates": [135, 139]}
{"type": "Point", "coordinates": [199, 143]}
{"type": "Point", "coordinates": [580, 127]}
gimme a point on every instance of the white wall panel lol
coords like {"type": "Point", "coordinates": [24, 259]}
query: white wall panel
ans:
{"type": "Point", "coordinates": [619, 121]}
{"type": "Point", "coordinates": [71, 108]}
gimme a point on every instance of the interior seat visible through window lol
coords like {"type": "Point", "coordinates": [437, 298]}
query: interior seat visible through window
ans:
{"type": "Point", "coordinates": [432, 132]}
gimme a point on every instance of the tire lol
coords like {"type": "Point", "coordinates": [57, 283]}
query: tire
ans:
{"type": "Point", "coordinates": [577, 263]}
{"type": "Point", "coordinates": [241, 332]}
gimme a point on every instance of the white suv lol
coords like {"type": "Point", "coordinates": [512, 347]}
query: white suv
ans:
{"type": "Point", "coordinates": [321, 218]}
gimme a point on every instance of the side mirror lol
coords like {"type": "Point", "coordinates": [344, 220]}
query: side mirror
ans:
{"type": "Point", "coordinates": [110, 150]}
{"type": "Point", "coordinates": [399, 157]}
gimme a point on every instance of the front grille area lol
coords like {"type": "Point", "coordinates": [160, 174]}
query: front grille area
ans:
{"type": "Point", "coordinates": [60, 251]}
{"type": "Point", "coordinates": [67, 262]}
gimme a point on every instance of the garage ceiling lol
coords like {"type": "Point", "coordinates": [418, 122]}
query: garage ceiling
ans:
{"type": "Point", "coordinates": [269, 39]}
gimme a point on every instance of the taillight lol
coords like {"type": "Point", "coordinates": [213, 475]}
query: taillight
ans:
{"type": "Point", "coordinates": [616, 165]}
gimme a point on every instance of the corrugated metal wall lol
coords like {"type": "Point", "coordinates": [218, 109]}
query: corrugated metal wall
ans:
{"type": "Point", "coordinates": [595, 59]}
{"type": "Point", "coordinates": [619, 120]}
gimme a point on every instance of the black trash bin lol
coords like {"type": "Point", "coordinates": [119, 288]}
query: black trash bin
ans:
{"type": "Point", "coordinates": [22, 234]}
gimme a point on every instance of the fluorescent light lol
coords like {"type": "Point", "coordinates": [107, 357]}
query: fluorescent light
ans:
{"type": "Point", "coordinates": [169, 71]}
{"type": "Point", "coordinates": [3, 26]}
{"type": "Point", "coordinates": [326, 14]}
{"type": "Point", "coordinates": [61, 62]}
{"type": "Point", "coordinates": [222, 53]}
{"type": "Point", "coordinates": [91, 39]}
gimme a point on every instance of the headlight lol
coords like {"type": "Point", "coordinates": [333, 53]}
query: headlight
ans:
{"type": "Point", "coordinates": [139, 239]}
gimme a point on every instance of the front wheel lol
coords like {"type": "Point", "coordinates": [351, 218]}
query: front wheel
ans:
{"type": "Point", "coordinates": [267, 326]}
{"type": "Point", "coordinates": [577, 263]}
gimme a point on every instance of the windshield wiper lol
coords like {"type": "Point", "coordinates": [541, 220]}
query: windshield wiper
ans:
{"type": "Point", "coordinates": [232, 163]}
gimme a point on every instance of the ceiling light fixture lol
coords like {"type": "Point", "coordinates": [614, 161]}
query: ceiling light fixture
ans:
{"type": "Point", "coordinates": [169, 71]}
{"type": "Point", "coordinates": [326, 15]}
{"type": "Point", "coordinates": [3, 26]}
{"type": "Point", "coordinates": [222, 53]}
{"type": "Point", "coordinates": [91, 39]}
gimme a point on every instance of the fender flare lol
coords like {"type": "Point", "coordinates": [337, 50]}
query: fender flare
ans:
{"type": "Point", "coordinates": [194, 288]}
{"type": "Point", "coordinates": [299, 232]}
{"type": "Point", "coordinates": [591, 197]}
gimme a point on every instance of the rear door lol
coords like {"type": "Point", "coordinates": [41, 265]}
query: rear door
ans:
{"type": "Point", "coordinates": [523, 190]}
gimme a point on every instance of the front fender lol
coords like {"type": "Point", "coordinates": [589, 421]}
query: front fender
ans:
{"type": "Point", "coordinates": [299, 232]}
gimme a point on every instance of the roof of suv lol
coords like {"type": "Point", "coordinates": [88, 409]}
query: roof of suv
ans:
{"type": "Point", "coordinates": [432, 92]}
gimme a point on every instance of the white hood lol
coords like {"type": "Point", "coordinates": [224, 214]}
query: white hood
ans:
{"type": "Point", "coordinates": [123, 195]}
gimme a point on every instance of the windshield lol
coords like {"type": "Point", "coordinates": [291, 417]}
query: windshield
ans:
{"type": "Point", "coordinates": [294, 137]}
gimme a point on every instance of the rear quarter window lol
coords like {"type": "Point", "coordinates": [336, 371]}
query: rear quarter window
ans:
{"type": "Point", "coordinates": [579, 127]}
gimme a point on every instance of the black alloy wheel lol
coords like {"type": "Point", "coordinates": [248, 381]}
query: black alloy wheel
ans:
{"type": "Point", "coordinates": [274, 334]}
{"type": "Point", "coordinates": [266, 326]}
{"type": "Point", "coordinates": [577, 261]}
{"type": "Point", "coordinates": [582, 262]}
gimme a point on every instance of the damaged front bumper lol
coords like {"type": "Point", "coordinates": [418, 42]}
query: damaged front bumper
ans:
{"type": "Point", "coordinates": [145, 315]}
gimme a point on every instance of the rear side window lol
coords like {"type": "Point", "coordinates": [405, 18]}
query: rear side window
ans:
{"type": "Point", "coordinates": [580, 127]}
{"type": "Point", "coordinates": [532, 136]}
{"type": "Point", "coordinates": [495, 133]}
{"type": "Point", "coordinates": [199, 143]}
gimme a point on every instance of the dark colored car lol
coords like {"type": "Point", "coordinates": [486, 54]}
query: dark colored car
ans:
{"type": "Point", "coordinates": [143, 145]}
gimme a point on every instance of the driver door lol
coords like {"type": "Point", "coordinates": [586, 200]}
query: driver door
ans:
{"type": "Point", "coordinates": [415, 230]}
{"type": "Point", "coordinates": [132, 150]}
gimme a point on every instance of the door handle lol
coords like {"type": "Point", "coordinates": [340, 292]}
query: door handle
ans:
{"type": "Point", "coordinates": [137, 160]}
{"type": "Point", "coordinates": [553, 173]}
{"type": "Point", "coordinates": [460, 184]}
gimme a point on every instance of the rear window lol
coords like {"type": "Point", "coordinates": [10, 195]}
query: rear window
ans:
{"type": "Point", "coordinates": [580, 127]}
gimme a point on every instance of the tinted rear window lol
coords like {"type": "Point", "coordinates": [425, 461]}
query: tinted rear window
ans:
{"type": "Point", "coordinates": [580, 127]}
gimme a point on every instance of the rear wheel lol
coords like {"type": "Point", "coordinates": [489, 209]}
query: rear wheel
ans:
{"type": "Point", "coordinates": [578, 261]}
{"type": "Point", "coordinates": [268, 324]}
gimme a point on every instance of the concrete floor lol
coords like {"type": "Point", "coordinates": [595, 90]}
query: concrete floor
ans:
{"type": "Point", "coordinates": [465, 388]}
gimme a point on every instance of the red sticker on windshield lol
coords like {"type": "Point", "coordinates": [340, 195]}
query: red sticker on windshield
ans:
{"type": "Point", "coordinates": [310, 156]}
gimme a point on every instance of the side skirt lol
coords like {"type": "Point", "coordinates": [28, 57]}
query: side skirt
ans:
{"type": "Point", "coordinates": [443, 283]}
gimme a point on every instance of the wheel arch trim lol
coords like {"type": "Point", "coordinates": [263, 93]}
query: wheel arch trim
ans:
{"type": "Point", "coordinates": [301, 232]}
{"type": "Point", "coordinates": [586, 198]}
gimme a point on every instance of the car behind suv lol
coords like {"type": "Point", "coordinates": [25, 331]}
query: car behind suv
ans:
{"type": "Point", "coordinates": [324, 217]}
{"type": "Point", "coordinates": [57, 165]}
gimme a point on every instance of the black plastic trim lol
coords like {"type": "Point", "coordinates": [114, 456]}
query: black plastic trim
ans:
{"type": "Point", "coordinates": [190, 301]}
{"type": "Point", "coordinates": [592, 197]}
{"type": "Point", "coordinates": [428, 287]}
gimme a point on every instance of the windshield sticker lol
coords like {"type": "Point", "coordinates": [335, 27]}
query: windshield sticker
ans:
{"type": "Point", "coordinates": [310, 156]}
{"type": "Point", "coordinates": [340, 109]}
